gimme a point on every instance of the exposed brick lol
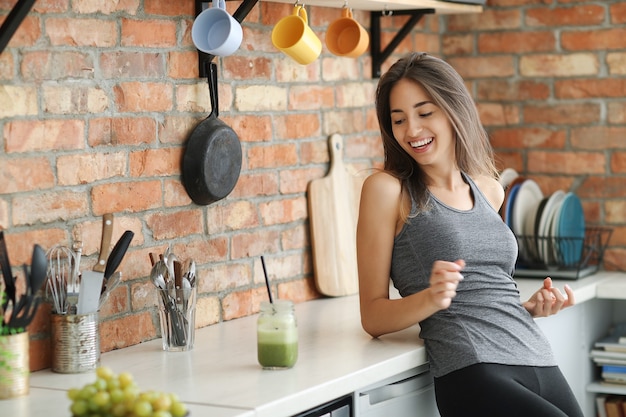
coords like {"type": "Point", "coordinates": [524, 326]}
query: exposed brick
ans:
{"type": "Point", "coordinates": [578, 15]}
{"type": "Point", "coordinates": [126, 64]}
{"type": "Point", "coordinates": [489, 19]}
{"type": "Point", "coordinates": [247, 68]}
{"type": "Point", "coordinates": [516, 42]}
{"type": "Point", "coordinates": [131, 197]}
{"type": "Point", "coordinates": [143, 97]}
{"type": "Point", "coordinates": [283, 211]}
{"type": "Point", "coordinates": [6, 72]}
{"type": "Point", "coordinates": [260, 98]}
{"type": "Point", "coordinates": [169, 8]}
{"type": "Point", "coordinates": [172, 225]}
{"type": "Point", "coordinates": [311, 97]}
{"type": "Point", "coordinates": [498, 114]}
{"type": "Point", "coordinates": [562, 114]}
{"type": "Point", "coordinates": [289, 71]}
{"type": "Point", "coordinates": [598, 137]}
{"type": "Point", "coordinates": [175, 194]}
{"type": "Point", "coordinates": [602, 187]}
{"type": "Point", "coordinates": [117, 303]}
{"type": "Point", "coordinates": [297, 126]}
{"type": "Point", "coordinates": [618, 13]}
{"type": "Point", "coordinates": [208, 311]}
{"type": "Point", "coordinates": [25, 174]}
{"type": "Point", "coordinates": [457, 44]}
{"type": "Point", "coordinates": [295, 238]}
{"type": "Point", "coordinates": [20, 244]}
{"type": "Point", "coordinates": [589, 88]}
{"type": "Point", "coordinates": [17, 101]}
{"type": "Point", "coordinates": [484, 66]}
{"type": "Point", "coordinates": [261, 242]}
{"type": "Point", "coordinates": [527, 138]}
{"type": "Point", "coordinates": [27, 34]}
{"type": "Point", "coordinates": [155, 162]}
{"type": "Point", "coordinates": [616, 113]}
{"type": "Point", "coordinates": [148, 33]}
{"type": "Point", "coordinates": [175, 129]}
{"type": "Point", "coordinates": [566, 162]}
{"type": "Point", "coordinates": [597, 39]}
{"type": "Point", "coordinates": [355, 95]}
{"type": "Point", "coordinates": [256, 184]}
{"type": "Point", "coordinates": [512, 90]}
{"type": "Point", "coordinates": [251, 128]}
{"type": "Point", "coordinates": [238, 304]}
{"type": "Point", "coordinates": [56, 65]}
{"type": "Point", "coordinates": [88, 168]}
{"type": "Point", "coordinates": [618, 162]}
{"type": "Point", "coordinates": [344, 121]}
{"type": "Point", "coordinates": [127, 331]}
{"type": "Point", "coordinates": [551, 65]}
{"type": "Point", "coordinates": [272, 156]}
{"type": "Point", "coordinates": [44, 135]}
{"type": "Point", "coordinates": [121, 131]}
{"type": "Point", "coordinates": [49, 207]}
{"type": "Point", "coordinates": [4, 214]}
{"type": "Point", "coordinates": [238, 215]}
{"type": "Point", "coordinates": [182, 64]}
{"type": "Point", "coordinates": [224, 277]}
{"type": "Point", "coordinates": [616, 62]}
{"type": "Point", "coordinates": [81, 32]}
{"type": "Point", "coordinates": [74, 99]}
{"type": "Point", "coordinates": [298, 290]}
{"type": "Point", "coordinates": [296, 180]}
{"type": "Point", "coordinates": [107, 8]}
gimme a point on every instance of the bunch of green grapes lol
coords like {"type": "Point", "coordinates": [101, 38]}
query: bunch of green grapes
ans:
{"type": "Point", "coordinates": [114, 395]}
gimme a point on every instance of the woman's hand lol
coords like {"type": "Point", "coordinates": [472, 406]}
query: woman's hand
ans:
{"type": "Point", "coordinates": [444, 279]}
{"type": "Point", "coordinates": [549, 300]}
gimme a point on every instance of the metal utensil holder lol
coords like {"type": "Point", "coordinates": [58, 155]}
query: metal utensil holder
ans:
{"type": "Point", "coordinates": [75, 343]}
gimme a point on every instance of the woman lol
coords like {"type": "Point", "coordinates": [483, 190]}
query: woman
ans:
{"type": "Point", "coordinates": [430, 221]}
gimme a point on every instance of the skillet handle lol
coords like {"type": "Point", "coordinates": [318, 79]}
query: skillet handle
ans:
{"type": "Point", "coordinates": [213, 89]}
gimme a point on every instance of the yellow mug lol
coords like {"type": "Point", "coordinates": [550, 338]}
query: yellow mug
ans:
{"type": "Point", "coordinates": [346, 37]}
{"type": "Point", "coordinates": [293, 36]}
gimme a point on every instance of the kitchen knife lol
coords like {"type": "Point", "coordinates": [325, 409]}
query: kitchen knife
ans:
{"type": "Point", "coordinates": [89, 293]}
{"type": "Point", "coordinates": [117, 254]}
{"type": "Point", "coordinates": [105, 244]}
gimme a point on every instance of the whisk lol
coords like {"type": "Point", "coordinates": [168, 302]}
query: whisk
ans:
{"type": "Point", "coordinates": [62, 280]}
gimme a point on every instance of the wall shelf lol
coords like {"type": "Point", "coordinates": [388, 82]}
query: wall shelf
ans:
{"type": "Point", "coordinates": [377, 8]}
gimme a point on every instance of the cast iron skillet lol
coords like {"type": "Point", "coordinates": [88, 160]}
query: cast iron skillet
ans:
{"type": "Point", "coordinates": [212, 159]}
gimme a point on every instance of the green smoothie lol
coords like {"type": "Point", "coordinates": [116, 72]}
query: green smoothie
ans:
{"type": "Point", "coordinates": [277, 340]}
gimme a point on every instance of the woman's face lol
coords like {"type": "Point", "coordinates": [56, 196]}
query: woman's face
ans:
{"type": "Point", "coordinates": [419, 126]}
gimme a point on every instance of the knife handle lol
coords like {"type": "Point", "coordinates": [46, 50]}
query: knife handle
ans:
{"type": "Point", "coordinates": [105, 244]}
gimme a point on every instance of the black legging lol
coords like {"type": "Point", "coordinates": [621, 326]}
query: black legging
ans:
{"type": "Point", "coordinates": [492, 390]}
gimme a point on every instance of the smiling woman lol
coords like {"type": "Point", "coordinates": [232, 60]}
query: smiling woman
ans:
{"type": "Point", "coordinates": [430, 222]}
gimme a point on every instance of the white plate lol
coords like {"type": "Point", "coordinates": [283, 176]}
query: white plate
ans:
{"type": "Point", "coordinates": [507, 176]}
{"type": "Point", "coordinates": [545, 226]}
{"type": "Point", "coordinates": [528, 198]}
{"type": "Point", "coordinates": [525, 205]}
{"type": "Point", "coordinates": [530, 231]}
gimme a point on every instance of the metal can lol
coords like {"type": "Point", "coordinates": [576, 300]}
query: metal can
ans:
{"type": "Point", "coordinates": [75, 343]}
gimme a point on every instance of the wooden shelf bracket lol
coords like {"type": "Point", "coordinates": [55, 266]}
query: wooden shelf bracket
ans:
{"type": "Point", "coordinates": [379, 55]}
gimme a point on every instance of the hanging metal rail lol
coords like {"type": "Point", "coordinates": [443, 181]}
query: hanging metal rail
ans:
{"type": "Point", "coordinates": [13, 21]}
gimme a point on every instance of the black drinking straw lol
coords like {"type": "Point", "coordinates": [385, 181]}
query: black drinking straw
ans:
{"type": "Point", "coordinates": [267, 280]}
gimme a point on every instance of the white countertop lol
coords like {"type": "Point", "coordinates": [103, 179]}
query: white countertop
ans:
{"type": "Point", "coordinates": [221, 373]}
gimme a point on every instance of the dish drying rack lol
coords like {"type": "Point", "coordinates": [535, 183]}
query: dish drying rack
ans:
{"type": "Point", "coordinates": [562, 257]}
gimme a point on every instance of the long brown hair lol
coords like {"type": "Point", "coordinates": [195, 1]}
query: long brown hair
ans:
{"type": "Point", "coordinates": [474, 154]}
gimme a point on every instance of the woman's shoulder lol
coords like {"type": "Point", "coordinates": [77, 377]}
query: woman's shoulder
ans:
{"type": "Point", "coordinates": [491, 189]}
{"type": "Point", "coordinates": [382, 182]}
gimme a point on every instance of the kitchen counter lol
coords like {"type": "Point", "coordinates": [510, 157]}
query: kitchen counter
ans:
{"type": "Point", "coordinates": [221, 377]}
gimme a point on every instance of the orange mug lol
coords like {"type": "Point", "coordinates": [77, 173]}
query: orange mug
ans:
{"type": "Point", "coordinates": [346, 37]}
{"type": "Point", "coordinates": [293, 36]}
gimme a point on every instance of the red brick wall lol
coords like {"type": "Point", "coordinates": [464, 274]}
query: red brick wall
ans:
{"type": "Point", "coordinates": [96, 103]}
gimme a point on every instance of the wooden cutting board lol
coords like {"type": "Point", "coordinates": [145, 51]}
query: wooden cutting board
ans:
{"type": "Point", "coordinates": [333, 212]}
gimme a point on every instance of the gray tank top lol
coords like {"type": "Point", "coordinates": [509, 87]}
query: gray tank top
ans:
{"type": "Point", "coordinates": [486, 322]}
